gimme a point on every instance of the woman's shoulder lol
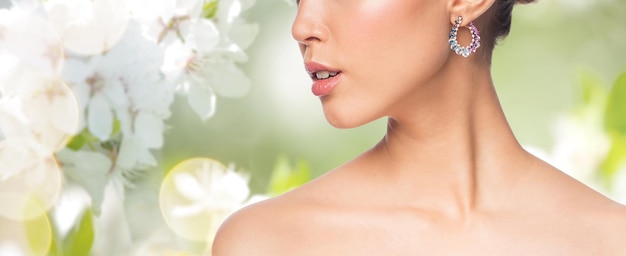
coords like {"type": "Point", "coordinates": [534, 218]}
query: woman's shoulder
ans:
{"type": "Point", "coordinates": [267, 227]}
{"type": "Point", "coordinates": [573, 196]}
{"type": "Point", "coordinates": [247, 230]}
{"type": "Point", "coordinates": [599, 217]}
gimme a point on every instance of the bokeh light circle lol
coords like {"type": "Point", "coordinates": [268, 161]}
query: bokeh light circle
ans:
{"type": "Point", "coordinates": [193, 200]}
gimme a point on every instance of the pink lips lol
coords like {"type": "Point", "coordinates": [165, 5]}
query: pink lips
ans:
{"type": "Point", "coordinates": [322, 87]}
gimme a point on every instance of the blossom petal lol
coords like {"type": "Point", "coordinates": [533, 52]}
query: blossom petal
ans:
{"type": "Point", "coordinates": [100, 118]}
{"type": "Point", "coordinates": [202, 101]}
{"type": "Point", "coordinates": [204, 35]}
{"type": "Point", "coordinates": [129, 152]}
{"type": "Point", "coordinates": [145, 157]}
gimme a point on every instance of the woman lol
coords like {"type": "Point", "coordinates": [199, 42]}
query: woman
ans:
{"type": "Point", "coordinates": [449, 177]}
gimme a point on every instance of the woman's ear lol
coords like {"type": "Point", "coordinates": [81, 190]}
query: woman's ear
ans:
{"type": "Point", "coordinates": [469, 9]}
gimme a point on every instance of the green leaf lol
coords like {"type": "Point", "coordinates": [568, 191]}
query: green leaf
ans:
{"type": "Point", "coordinates": [117, 126]}
{"type": "Point", "coordinates": [77, 142]}
{"type": "Point", "coordinates": [209, 9]}
{"type": "Point", "coordinates": [84, 137]}
{"type": "Point", "coordinates": [615, 112]}
{"type": "Point", "coordinates": [285, 177]}
{"type": "Point", "coordinates": [80, 239]}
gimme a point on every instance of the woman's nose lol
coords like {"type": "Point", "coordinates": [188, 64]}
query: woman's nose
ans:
{"type": "Point", "coordinates": [309, 25]}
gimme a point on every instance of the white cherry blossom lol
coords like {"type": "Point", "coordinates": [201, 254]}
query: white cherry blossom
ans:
{"type": "Point", "coordinates": [202, 62]}
{"type": "Point", "coordinates": [121, 87]}
{"type": "Point", "coordinates": [123, 61]}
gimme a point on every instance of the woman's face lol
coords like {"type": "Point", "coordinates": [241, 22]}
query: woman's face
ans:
{"type": "Point", "coordinates": [385, 53]}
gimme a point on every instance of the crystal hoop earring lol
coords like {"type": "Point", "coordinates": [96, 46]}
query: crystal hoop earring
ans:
{"type": "Point", "coordinates": [464, 51]}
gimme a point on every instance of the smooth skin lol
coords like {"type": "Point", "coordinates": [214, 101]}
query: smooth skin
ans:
{"type": "Point", "coordinates": [448, 178]}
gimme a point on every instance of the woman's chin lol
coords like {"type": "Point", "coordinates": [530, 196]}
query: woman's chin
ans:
{"type": "Point", "coordinates": [345, 121]}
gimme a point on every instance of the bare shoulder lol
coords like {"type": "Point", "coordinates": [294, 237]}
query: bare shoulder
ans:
{"type": "Point", "coordinates": [271, 227]}
{"type": "Point", "coordinates": [241, 232]}
{"type": "Point", "coordinates": [255, 229]}
{"type": "Point", "coordinates": [599, 218]}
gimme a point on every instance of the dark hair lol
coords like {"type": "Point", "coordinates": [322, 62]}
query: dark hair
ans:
{"type": "Point", "coordinates": [496, 22]}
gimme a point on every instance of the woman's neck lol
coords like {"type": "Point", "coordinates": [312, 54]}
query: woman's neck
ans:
{"type": "Point", "coordinates": [457, 151]}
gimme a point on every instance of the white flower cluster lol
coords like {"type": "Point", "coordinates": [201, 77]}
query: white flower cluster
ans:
{"type": "Point", "coordinates": [101, 75]}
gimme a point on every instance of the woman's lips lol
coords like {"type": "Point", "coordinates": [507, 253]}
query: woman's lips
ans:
{"type": "Point", "coordinates": [322, 87]}
{"type": "Point", "coordinates": [324, 78]}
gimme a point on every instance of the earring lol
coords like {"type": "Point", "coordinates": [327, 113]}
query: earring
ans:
{"type": "Point", "coordinates": [464, 51]}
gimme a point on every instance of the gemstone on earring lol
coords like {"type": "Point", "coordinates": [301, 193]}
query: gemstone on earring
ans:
{"type": "Point", "coordinates": [464, 51]}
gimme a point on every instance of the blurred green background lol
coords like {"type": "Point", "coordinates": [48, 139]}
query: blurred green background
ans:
{"type": "Point", "coordinates": [537, 71]}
